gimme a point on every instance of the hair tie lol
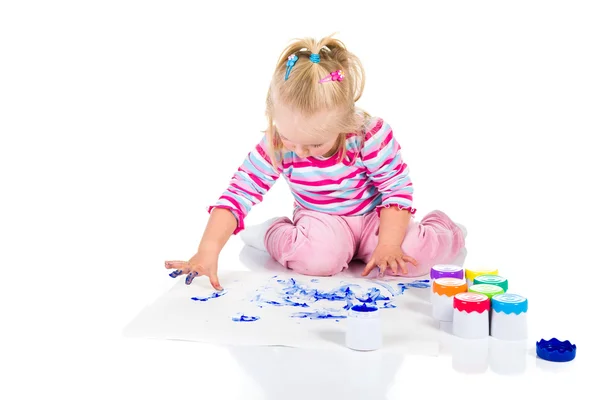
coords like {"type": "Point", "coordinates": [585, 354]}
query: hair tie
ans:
{"type": "Point", "coordinates": [315, 58]}
{"type": "Point", "coordinates": [290, 64]}
{"type": "Point", "coordinates": [334, 76]}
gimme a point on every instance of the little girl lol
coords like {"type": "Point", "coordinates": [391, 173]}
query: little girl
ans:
{"type": "Point", "coordinates": [352, 190]}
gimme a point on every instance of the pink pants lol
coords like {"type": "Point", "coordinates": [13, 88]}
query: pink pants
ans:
{"type": "Point", "coordinates": [322, 245]}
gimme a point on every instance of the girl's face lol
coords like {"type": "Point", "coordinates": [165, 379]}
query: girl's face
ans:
{"type": "Point", "coordinates": [313, 136]}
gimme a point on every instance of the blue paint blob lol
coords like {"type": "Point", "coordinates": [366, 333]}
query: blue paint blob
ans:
{"type": "Point", "coordinates": [314, 280]}
{"type": "Point", "coordinates": [244, 318]}
{"type": "Point", "coordinates": [363, 308]}
{"type": "Point", "coordinates": [212, 296]}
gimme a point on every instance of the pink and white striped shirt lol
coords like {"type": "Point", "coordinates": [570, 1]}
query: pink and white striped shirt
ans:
{"type": "Point", "coordinates": [371, 175]}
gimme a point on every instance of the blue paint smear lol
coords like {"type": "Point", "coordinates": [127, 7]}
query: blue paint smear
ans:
{"type": "Point", "coordinates": [318, 315]}
{"type": "Point", "coordinates": [389, 304]}
{"type": "Point", "coordinates": [389, 288]}
{"type": "Point", "coordinates": [285, 301]}
{"type": "Point", "coordinates": [212, 296]}
{"type": "Point", "coordinates": [373, 295]}
{"type": "Point", "coordinates": [343, 293]}
{"type": "Point", "coordinates": [419, 284]}
{"type": "Point", "coordinates": [244, 318]}
{"type": "Point", "coordinates": [290, 293]}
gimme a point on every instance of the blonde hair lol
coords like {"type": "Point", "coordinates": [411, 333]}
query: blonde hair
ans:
{"type": "Point", "coordinates": [303, 92]}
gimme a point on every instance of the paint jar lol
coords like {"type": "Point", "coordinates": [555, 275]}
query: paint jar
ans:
{"type": "Point", "coordinates": [487, 290]}
{"type": "Point", "coordinates": [363, 328]}
{"type": "Point", "coordinates": [471, 316]}
{"type": "Point", "coordinates": [445, 271]}
{"type": "Point", "coordinates": [509, 317]}
{"type": "Point", "coordinates": [472, 273]}
{"type": "Point", "coordinates": [444, 290]}
{"type": "Point", "coordinates": [492, 280]}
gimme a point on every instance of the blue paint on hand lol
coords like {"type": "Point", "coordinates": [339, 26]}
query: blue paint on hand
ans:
{"type": "Point", "coordinates": [314, 280]}
{"type": "Point", "coordinates": [212, 296]}
{"type": "Point", "coordinates": [244, 318]}
{"type": "Point", "coordinates": [176, 273]}
{"type": "Point", "coordinates": [190, 277]}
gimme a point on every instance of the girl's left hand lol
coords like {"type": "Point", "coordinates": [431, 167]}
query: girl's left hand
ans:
{"type": "Point", "coordinates": [391, 256]}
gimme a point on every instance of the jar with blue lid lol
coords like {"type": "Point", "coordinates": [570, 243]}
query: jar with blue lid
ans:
{"type": "Point", "coordinates": [509, 317]}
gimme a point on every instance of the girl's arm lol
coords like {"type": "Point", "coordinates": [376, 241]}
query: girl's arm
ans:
{"type": "Point", "coordinates": [388, 172]}
{"type": "Point", "coordinates": [392, 225]}
{"type": "Point", "coordinates": [253, 179]}
{"type": "Point", "coordinates": [386, 169]}
{"type": "Point", "coordinates": [219, 229]}
{"type": "Point", "coordinates": [247, 187]}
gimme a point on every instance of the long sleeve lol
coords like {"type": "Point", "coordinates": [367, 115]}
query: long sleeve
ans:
{"type": "Point", "coordinates": [385, 167]}
{"type": "Point", "coordinates": [249, 184]}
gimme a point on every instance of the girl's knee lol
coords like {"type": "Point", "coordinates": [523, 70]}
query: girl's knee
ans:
{"type": "Point", "coordinates": [318, 257]}
{"type": "Point", "coordinates": [322, 267]}
{"type": "Point", "coordinates": [321, 256]}
{"type": "Point", "coordinates": [319, 245]}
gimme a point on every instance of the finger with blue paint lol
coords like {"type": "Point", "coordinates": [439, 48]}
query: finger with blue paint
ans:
{"type": "Point", "coordinates": [176, 273]}
{"type": "Point", "coordinates": [190, 277]}
{"type": "Point", "coordinates": [180, 267]}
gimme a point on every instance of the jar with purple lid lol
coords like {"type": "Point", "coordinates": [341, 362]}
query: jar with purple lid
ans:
{"type": "Point", "coordinates": [445, 271]}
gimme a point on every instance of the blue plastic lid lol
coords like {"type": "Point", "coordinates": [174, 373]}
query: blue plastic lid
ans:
{"type": "Point", "coordinates": [508, 303]}
{"type": "Point", "coordinates": [555, 350]}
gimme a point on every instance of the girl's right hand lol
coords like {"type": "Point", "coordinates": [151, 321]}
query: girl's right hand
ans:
{"type": "Point", "coordinates": [204, 262]}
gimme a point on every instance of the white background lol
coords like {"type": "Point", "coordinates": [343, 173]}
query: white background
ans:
{"type": "Point", "coordinates": [121, 121]}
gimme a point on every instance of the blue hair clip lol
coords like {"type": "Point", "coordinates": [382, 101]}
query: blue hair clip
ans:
{"type": "Point", "coordinates": [315, 58]}
{"type": "Point", "coordinates": [290, 64]}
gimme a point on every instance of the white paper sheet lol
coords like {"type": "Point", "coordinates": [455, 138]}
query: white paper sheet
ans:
{"type": "Point", "coordinates": [407, 329]}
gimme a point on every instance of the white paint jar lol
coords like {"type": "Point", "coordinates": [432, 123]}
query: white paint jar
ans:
{"type": "Point", "coordinates": [472, 273]}
{"type": "Point", "coordinates": [444, 290]}
{"type": "Point", "coordinates": [363, 328]}
{"type": "Point", "coordinates": [471, 317]}
{"type": "Point", "coordinates": [509, 317]}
